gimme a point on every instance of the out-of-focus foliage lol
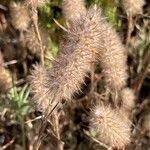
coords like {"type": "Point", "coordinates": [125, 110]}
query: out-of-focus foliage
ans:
{"type": "Point", "coordinates": [17, 100]}
{"type": "Point", "coordinates": [109, 9]}
{"type": "Point", "coordinates": [47, 14]}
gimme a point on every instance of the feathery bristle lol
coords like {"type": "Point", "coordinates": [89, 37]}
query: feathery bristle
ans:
{"type": "Point", "coordinates": [38, 79]}
{"type": "Point", "coordinates": [113, 129]}
{"type": "Point", "coordinates": [19, 16]}
{"type": "Point", "coordinates": [5, 80]}
{"type": "Point", "coordinates": [133, 7]}
{"type": "Point", "coordinates": [73, 9]}
{"type": "Point", "coordinates": [112, 57]}
{"type": "Point", "coordinates": [75, 60]}
{"type": "Point", "coordinates": [128, 99]}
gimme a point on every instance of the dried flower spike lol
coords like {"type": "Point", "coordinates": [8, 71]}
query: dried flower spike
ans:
{"type": "Point", "coordinates": [78, 54]}
{"type": "Point", "coordinates": [39, 78]}
{"type": "Point", "coordinates": [73, 9]}
{"type": "Point", "coordinates": [74, 61]}
{"type": "Point", "coordinates": [113, 129]}
{"type": "Point", "coordinates": [112, 57]}
{"type": "Point", "coordinates": [32, 42]}
{"type": "Point", "coordinates": [5, 80]}
{"type": "Point", "coordinates": [133, 7]}
{"type": "Point", "coordinates": [128, 99]}
{"type": "Point", "coordinates": [19, 16]}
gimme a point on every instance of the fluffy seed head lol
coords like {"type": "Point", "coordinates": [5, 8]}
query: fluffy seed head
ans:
{"type": "Point", "coordinates": [3, 22]}
{"type": "Point", "coordinates": [113, 128]}
{"type": "Point", "coordinates": [73, 9]}
{"type": "Point", "coordinates": [146, 123]}
{"type": "Point", "coordinates": [32, 42]}
{"type": "Point", "coordinates": [133, 7]}
{"type": "Point", "coordinates": [128, 99]}
{"type": "Point", "coordinates": [5, 80]}
{"type": "Point", "coordinates": [78, 54]}
{"type": "Point", "coordinates": [74, 61]}
{"type": "Point", "coordinates": [38, 80]}
{"type": "Point", "coordinates": [112, 57]}
{"type": "Point", "coordinates": [19, 15]}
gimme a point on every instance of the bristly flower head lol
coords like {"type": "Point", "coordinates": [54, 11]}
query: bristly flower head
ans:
{"type": "Point", "coordinates": [19, 16]}
{"type": "Point", "coordinates": [73, 9]}
{"type": "Point", "coordinates": [133, 7]}
{"type": "Point", "coordinates": [5, 80]}
{"type": "Point", "coordinates": [112, 56]}
{"type": "Point", "coordinates": [77, 54]}
{"type": "Point", "coordinates": [113, 129]}
{"type": "Point", "coordinates": [112, 53]}
{"type": "Point", "coordinates": [73, 62]}
{"type": "Point", "coordinates": [38, 79]}
{"type": "Point", "coordinates": [31, 40]}
{"type": "Point", "coordinates": [128, 99]}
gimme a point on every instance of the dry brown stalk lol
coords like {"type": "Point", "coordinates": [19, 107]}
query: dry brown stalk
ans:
{"type": "Point", "coordinates": [35, 18]}
{"type": "Point", "coordinates": [138, 81]}
{"type": "Point", "coordinates": [56, 127]}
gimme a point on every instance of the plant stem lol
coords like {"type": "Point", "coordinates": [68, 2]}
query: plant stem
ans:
{"type": "Point", "coordinates": [57, 131]}
{"type": "Point", "coordinates": [21, 118]}
{"type": "Point", "coordinates": [130, 28]}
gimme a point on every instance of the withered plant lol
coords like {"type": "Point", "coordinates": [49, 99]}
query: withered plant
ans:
{"type": "Point", "coordinates": [75, 60]}
{"type": "Point", "coordinates": [92, 94]}
{"type": "Point", "coordinates": [113, 128]}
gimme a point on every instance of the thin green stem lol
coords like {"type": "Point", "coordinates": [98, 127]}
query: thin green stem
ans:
{"type": "Point", "coordinates": [21, 118]}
